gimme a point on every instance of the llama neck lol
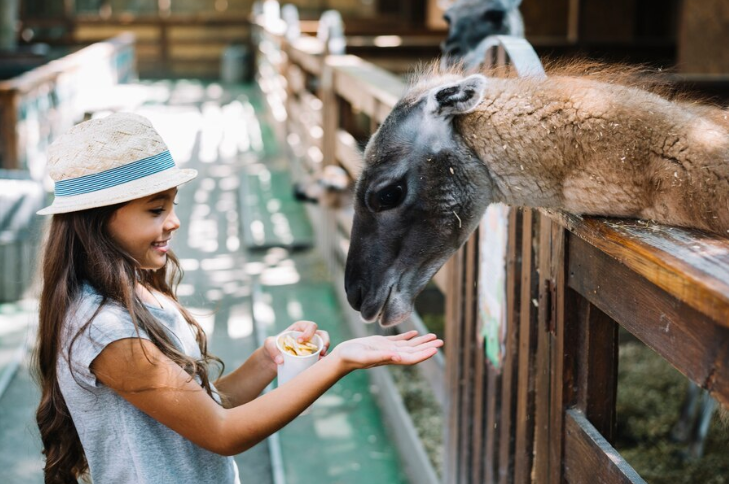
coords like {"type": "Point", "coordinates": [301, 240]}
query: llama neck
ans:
{"type": "Point", "coordinates": [594, 148]}
{"type": "Point", "coordinates": [518, 137]}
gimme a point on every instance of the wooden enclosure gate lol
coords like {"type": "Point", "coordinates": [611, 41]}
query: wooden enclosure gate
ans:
{"type": "Point", "coordinates": [547, 412]}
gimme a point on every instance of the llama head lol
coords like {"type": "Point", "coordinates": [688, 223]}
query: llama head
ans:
{"type": "Point", "coordinates": [421, 193]}
{"type": "Point", "coordinates": [471, 21]}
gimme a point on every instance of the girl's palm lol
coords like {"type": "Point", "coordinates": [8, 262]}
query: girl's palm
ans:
{"type": "Point", "coordinates": [401, 349]}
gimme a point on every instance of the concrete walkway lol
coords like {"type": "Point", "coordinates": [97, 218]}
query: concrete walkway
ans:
{"type": "Point", "coordinates": [238, 295]}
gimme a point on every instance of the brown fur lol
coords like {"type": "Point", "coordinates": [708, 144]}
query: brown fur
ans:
{"type": "Point", "coordinates": [591, 139]}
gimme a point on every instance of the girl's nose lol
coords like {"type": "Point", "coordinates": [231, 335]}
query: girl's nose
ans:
{"type": "Point", "coordinates": [172, 223]}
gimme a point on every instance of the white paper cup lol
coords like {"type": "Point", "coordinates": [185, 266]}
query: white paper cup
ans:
{"type": "Point", "coordinates": [293, 365]}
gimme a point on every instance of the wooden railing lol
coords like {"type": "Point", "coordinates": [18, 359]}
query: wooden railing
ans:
{"type": "Point", "coordinates": [20, 198]}
{"type": "Point", "coordinates": [174, 46]}
{"type": "Point", "coordinates": [38, 105]}
{"type": "Point", "coordinates": [538, 402]}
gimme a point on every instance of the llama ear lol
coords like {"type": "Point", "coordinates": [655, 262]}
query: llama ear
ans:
{"type": "Point", "coordinates": [457, 98]}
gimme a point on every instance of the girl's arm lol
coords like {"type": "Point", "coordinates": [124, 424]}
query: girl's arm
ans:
{"type": "Point", "coordinates": [157, 386]}
{"type": "Point", "coordinates": [248, 380]}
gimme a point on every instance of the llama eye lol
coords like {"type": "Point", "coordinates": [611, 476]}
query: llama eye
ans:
{"type": "Point", "coordinates": [388, 198]}
{"type": "Point", "coordinates": [494, 16]}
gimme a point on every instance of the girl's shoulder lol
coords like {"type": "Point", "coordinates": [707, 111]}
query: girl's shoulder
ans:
{"type": "Point", "coordinates": [89, 300]}
{"type": "Point", "coordinates": [97, 315]}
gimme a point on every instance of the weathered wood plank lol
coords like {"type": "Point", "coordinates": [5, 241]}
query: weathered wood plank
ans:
{"type": "Point", "coordinates": [307, 52]}
{"type": "Point", "coordinates": [483, 399]}
{"type": "Point", "coordinates": [441, 279]}
{"type": "Point", "coordinates": [597, 364]}
{"type": "Point", "coordinates": [588, 457]}
{"type": "Point", "coordinates": [347, 153]}
{"type": "Point", "coordinates": [691, 265]}
{"type": "Point", "coordinates": [453, 344]}
{"type": "Point", "coordinates": [361, 82]}
{"type": "Point", "coordinates": [466, 382]}
{"type": "Point", "coordinates": [481, 387]}
{"type": "Point", "coordinates": [692, 342]}
{"type": "Point", "coordinates": [543, 362]}
{"type": "Point", "coordinates": [528, 333]}
{"type": "Point", "coordinates": [510, 385]}
{"type": "Point", "coordinates": [489, 455]}
{"type": "Point", "coordinates": [562, 365]}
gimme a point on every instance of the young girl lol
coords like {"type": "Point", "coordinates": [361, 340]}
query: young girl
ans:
{"type": "Point", "coordinates": [127, 391]}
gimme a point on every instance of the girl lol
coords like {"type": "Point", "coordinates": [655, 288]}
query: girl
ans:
{"type": "Point", "coordinates": [127, 391]}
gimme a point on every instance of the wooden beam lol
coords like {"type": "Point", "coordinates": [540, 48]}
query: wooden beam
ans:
{"type": "Point", "coordinates": [690, 265]}
{"type": "Point", "coordinates": [588, 457]}
{"type": "Point", "coordinates": [596, 385]}
{"type": "Point", "coordinates": [693, 343]}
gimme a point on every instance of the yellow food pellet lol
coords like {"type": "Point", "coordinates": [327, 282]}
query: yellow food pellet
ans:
{"type": "Point", "coordinates": [292, 347]}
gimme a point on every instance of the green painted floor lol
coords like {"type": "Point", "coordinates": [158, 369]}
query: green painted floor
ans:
{"type": "Point", "coordinates": [233, 284]}
{"type": "Point", "coordinates": [273, 217]}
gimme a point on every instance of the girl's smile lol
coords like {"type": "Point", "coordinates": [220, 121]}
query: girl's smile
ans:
{"type": "Point", "coordinates": [144, 227]}
{"type": "Point", "coordinates": [162, 246]}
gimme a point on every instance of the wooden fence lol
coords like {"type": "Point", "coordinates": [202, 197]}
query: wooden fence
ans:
{"type": "Point", "coordinates": [175, 46]}
{"type": "Point", "coordinates": [38, 105]}
{"type": "Point", "coordinates": [529, 394]}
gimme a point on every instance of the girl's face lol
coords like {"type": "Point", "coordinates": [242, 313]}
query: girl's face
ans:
{"type": "Point", "coordinates": [143, 227]}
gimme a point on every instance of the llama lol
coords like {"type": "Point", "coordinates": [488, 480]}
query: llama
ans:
{"type": "Point", "coordinates": [470, 22]}
{"type": "Point", "coordinates": [586, 144]}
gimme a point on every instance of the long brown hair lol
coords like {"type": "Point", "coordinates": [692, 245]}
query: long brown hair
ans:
{"type": "Point", "coordinates": [78, 251]}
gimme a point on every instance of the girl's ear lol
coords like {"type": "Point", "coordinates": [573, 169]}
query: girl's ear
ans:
{"type": "Point", "coordinates": [456, 98]}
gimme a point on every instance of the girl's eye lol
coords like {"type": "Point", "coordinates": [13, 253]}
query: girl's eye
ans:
{"type": "Point", "coordinates": [157, 211]}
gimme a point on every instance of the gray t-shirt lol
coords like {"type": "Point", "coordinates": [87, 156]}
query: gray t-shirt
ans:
{"type": "Point", "coordinates": [123, 444]}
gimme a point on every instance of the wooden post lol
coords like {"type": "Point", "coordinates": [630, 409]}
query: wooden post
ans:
{"type": "Point", "coordinates": [9, 149]}
{"type": "Point", "coordinates": [703, 35]}
{"type": "Point", "coordinates": [573, 21]}
{"type": "Point", "coordinates": [510, 374]}
{"type": "Point", "coordinates": [562, 366]}
{"type": "Point", "coordinates": [527, 350]}
{"type": "Point", "coordinates": [454, 343]}
{"type": "Point", "coordinates": [8, 23]}
{"type": "Point", "coordinates": [330, 127]}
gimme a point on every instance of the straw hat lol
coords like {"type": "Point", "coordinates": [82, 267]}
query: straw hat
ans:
{"type": "Point", "coordinates": [110, 160]}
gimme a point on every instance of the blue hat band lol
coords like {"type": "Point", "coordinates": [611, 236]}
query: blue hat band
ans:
{"type": "Point", "coordinates": [115, 176]}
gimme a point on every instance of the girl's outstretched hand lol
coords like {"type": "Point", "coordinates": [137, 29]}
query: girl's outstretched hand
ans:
{"type": "Point", "coordinates": [402, 349]}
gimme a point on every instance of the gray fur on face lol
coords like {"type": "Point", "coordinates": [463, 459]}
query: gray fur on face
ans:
{"type": "Point", "coordinates": [443, 188]}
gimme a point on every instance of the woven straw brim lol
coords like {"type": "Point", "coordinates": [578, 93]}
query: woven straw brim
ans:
{"type": "Point", "coordinates": [125, 192]}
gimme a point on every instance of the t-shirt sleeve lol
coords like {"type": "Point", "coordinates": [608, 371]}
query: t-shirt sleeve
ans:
{"type": "Point", "coordinates": [109, 325]}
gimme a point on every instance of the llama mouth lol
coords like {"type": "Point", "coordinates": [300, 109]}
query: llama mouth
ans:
{"type": "Point", "coordinates": [375, 312]}
{"type": "Point", "coordinates": [381, 312]}
{"type": "Point", "coordinates": [396, 309]}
